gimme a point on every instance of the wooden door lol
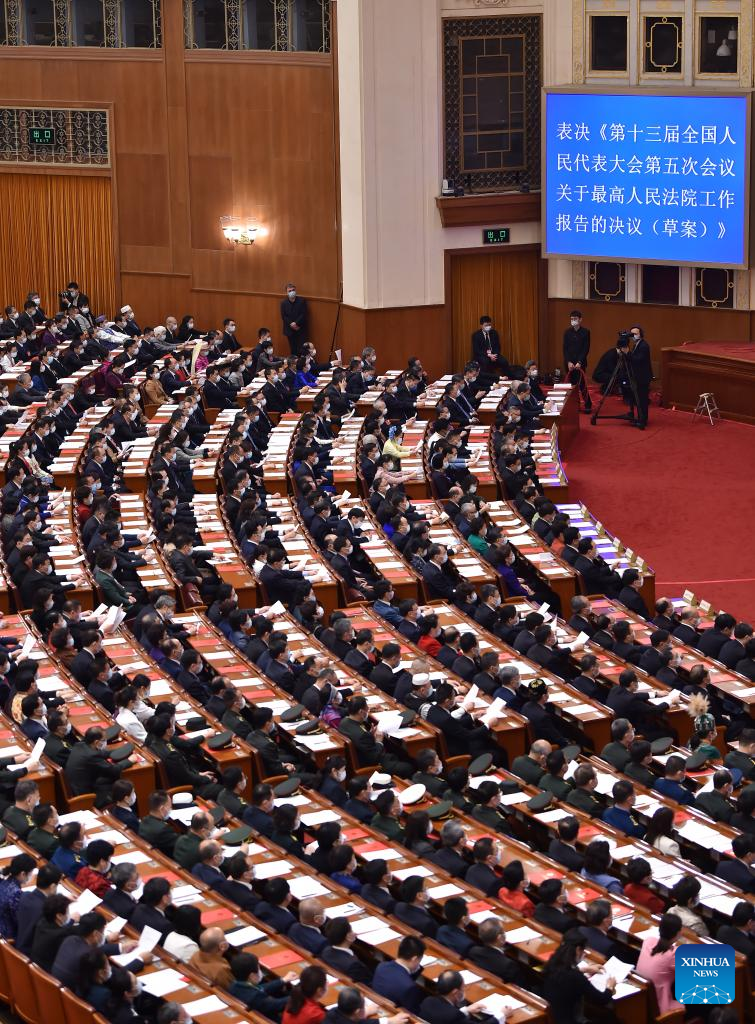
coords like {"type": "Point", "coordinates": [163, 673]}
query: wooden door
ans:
{"type": "Point", "coordinates": [503, 285]}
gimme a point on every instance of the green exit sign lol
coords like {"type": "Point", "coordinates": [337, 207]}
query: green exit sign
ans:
{"type": "Point", "coordinates": [495, 236]}
{"type": "Point", "coordinates": [41, 136]}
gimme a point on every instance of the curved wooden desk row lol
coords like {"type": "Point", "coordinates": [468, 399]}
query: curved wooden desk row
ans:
{"type": "Point", "coordinates": [557, 574]}
{"type": "Point", "coordinates": [173, 979]}
{"type": "Point", "coordinates": [730, 684]}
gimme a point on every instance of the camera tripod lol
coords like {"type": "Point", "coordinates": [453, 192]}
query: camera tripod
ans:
{"type": "Point", "coordinates": [624, 367]}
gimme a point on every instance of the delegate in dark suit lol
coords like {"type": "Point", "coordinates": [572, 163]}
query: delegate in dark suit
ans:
{"type": "Point", "coordinates": [440, 1011]}
{"type": "Point", "coordinates": [495, 960]}
{"type": "Point", "coordinates": [345, 962]}
{"type": "Point", "coordinates": [393, 981]}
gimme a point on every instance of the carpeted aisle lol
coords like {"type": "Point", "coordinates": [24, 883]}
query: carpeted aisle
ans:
{"type": "Point", "coordinates": [681, 494]}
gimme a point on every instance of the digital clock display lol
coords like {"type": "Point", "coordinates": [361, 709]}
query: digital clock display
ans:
{"type": "Point", "coordinates": [495, 236]}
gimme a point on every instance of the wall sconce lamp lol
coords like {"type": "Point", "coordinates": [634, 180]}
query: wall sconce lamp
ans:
{"type": "Point", "coordinates": [237, 232]}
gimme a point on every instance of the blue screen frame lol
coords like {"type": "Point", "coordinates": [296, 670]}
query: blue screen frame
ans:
{"type": "Point", "coordinates": [659, 177]}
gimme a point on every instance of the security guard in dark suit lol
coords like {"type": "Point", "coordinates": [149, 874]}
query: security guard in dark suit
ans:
{"type": "Point", "coordinates": [576, 350]}
{"type": "Point", "coordinates": [642, 369]}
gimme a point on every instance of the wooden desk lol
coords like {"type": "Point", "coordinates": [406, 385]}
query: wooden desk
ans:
{"type": "Point", "coordinates": [725, 368]}
{"type": "Point", "coordinates": [510, 729]}
{"type": "Point", "coordinates": [554, 572]}
{"type": "Point", "coordinates": [610, 548]}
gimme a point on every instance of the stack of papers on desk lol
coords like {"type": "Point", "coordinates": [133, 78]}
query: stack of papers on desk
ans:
{"type": "Point", "coordinates": [162, 982]}
{"type": "Point", "coordinates": [304, 887]}
{"type": "Point", "coordinates": [242, 936]}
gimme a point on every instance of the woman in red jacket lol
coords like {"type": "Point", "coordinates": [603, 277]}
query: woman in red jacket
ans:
{"type": "Point", "coordinates": [304, 1005]}
{"type": "Point", "coordinates": [511, 893]}
{"type": "Point", "coordinates": [638, 890]}
{"type": "Point", "coordinates": [429, 631]}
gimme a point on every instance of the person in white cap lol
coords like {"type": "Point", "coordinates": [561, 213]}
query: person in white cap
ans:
{"type": "Point", "coordinates": [132, 327]}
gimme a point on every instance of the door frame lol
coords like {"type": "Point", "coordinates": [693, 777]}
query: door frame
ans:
{"type": "Point", "coordinates": [542, 284]}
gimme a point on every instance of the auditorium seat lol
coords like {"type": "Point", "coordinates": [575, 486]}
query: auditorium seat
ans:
{"type": "Point", "coordinates": [23, 990]}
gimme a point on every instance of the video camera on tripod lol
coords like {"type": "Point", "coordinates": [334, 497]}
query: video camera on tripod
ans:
{"type": "Point", "coordinates": [624, 374]}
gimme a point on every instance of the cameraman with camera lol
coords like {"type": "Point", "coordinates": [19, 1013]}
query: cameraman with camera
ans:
{"type": "Point", "coordinates": [639, 373]}
{"type": "Point", "coordinates": [72, 299]}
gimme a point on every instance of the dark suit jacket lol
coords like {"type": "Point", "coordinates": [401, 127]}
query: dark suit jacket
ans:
{"type": "Point", "coordinates": [482, 343]}
{"type": "Point", "coordinates": [553, 918]}
{"type": "Point", "coordinates": [346, 963]}
{"type": "Point", "coordinates": [281, 584]}
{"type": "Point", "coordinates": [144, 915]}
{"type": "Point", "coordinates": [738, 940]}
{"type": "Point", "coordinates": [483, 877]}
{"type": "Point", "coordinates": [737, 873]}
{"type": "Point", "coordinates": [450, 861]}
{"type": "Point", "coordinates": [395, 983]}
{"type": "Point", "coordinates": [641, 364]}
{"type": "Point", "coordinates": [89, 770]}
{"type": "Point", "coordinates": [417, 918]}
{"type": "Point", "coordinates": [632, 600]}
{"type": "Point", "coordinates": [711, 642]}
{"type": "Point", "coordinates": [66, 965]}
{"type": "Point", "coordinates": [119, 902]}
{"type": "Point", "coordinates": [565, 855]}
{"type": "Point", "coordinates": [438, 584]}
{"type": "Point", "coordinates": [378, 896]}
{"type": "Point", "coordinates": [308, 938]}
{"type": "Point", "coordinates": [576, 345]}
{"type": "Point", "coordinates": [686, 634]}
{"type": "Point", "coordinates": [731, 653]}
{"type": "Point", "coordinates": [455, 938]}
{"type": "Point", "coordinates": [495, 960]}
{"type": "Point", "coordinates": [28, 913]}
{"type": "Point", "coordinates": [277, 917]}
{"type": "Point", "coordinates": [634, 706]}
{"type": "Point", "coordinates": [544, 724]}
{"type": "Point", "coordinates": [238, 893]}
{"type": "Point", "coordinates": [440, 1011]}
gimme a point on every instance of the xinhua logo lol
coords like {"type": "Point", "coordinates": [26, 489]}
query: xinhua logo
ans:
{"type": "Point", "coordinates": [704, 974]}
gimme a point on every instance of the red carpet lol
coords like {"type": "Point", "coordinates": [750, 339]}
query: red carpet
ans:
{"type": "Point", "coordinates": [681, 494]}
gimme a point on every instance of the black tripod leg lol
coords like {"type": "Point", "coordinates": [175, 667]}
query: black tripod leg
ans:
{"type": "Point", "coordinates": [606, 393]}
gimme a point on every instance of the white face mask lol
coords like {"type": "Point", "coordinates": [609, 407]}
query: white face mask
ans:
{"type": "Point", "coordinates": [292, 294]}
{"type": "Point", "coordinates": [574, 323]}
{"type": "Point", "coordinates": [341, 774]}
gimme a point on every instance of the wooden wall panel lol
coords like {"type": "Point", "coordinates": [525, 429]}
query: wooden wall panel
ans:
{"type": "Point", "coordinates": [279, 147]}
{"type": "Point", "coordinates": [196, 136]}
{"type": "Point", "coordinates": [146, 222]}
{"type": "Point", "coordinates": [397, 334]}
{"type": "Point", "coordinates": [210, 184]}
